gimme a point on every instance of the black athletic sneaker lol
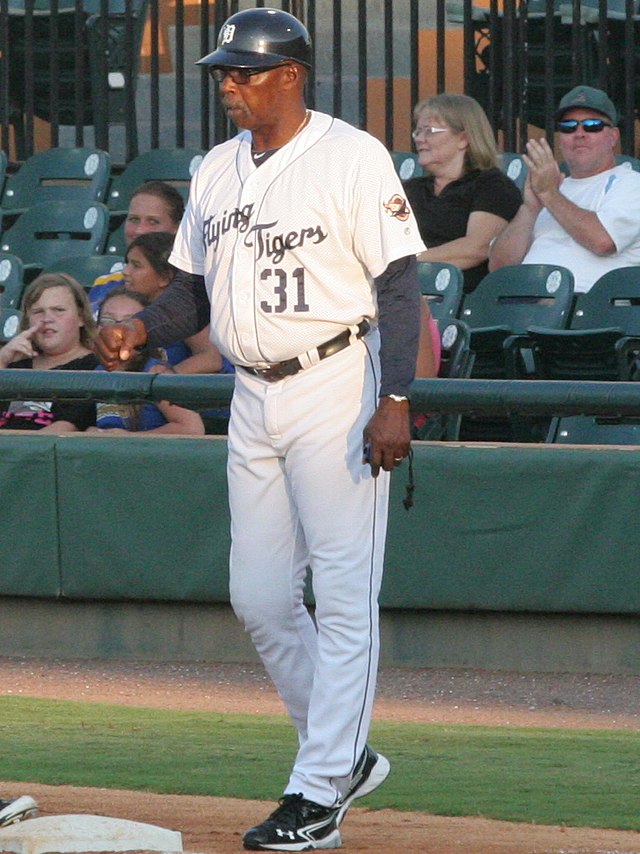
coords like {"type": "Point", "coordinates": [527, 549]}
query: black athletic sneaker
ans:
{"type": "Point", "coordinates": [369, 773]}
{"type": "Point", "coordinates": [297, 825]}
{"type": "Point", "coordinates": [17, 810]}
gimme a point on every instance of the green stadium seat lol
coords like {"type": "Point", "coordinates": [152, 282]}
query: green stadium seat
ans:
{"type": "Point", "coordinates": [600, 338]}
{"type": "Point", "coordinates": [443, 285]}
{"type": "Point", "coordinates": [86, 268]}
{"type": "Point", "coordinates": [3, 169]}
{"type": "Point", "coordinates": [48, 231]}
{"type": "Point", "coordinates": [507, 302]}
{"type": "Point", "coordinates": [456, 361]}
{"type": "Point", "coordinates": [594, 430]}
{"type": "Point", "coordinates": [58, 174]}
{"type": "Point", "coordinates": [407, 165]}
{"type": "Point", "coordinates": [94, 58]}
{"type": "Point", "coordinates": [514, 167]}
{"type": "Point", "coordinates": [9, 323]}
{"type": "Point", "coordinates": [175, 166]}
{"type": "Point", "coordinates": [11, 280]}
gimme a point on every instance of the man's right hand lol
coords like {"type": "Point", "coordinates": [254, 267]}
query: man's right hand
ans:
{"type": "Point", "coordinates": [116, 344]}
{"type": "Point", "coordinates": [544, 176]}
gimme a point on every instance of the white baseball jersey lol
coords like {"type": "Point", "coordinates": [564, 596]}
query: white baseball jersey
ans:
{"type": "Point", "coordinates": [289, 249]}
{"type": "Point", "coordinates": [614, 195]}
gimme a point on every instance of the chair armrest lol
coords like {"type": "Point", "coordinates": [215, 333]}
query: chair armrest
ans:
{"type": "Point", "coordinates": [519, 357]}
{"type": "Point", "coordinates": [488, 338]}
{"type": "Point", "coordinates": [543, 333]}
{"type": "Point", "coordinates": [628, 353]}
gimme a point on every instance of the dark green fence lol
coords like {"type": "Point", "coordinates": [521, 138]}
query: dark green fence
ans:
{"type": "Point", "coordinates": [76, 63]}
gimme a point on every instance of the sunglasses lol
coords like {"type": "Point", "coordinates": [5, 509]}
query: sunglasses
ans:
{"type": "Point", "coordinates": [241, 76]}
{"type": "Point", "coordinates": [589, 125]}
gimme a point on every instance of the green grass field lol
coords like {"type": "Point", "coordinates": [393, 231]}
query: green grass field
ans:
{"type": "Point", "coordinates": [544, 776]}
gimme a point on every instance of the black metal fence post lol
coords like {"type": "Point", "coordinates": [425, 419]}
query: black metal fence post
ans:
{"type": "Point", "coordinates": [515, 56]}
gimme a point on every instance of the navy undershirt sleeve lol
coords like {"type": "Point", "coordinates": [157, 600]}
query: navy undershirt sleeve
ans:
{"type": "Point", "coordinates": [182, 310]}
{"type": "Point", "coordinates": [399, 323]}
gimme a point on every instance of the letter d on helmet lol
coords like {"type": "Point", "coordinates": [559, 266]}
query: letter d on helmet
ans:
{"type": "Point", "coordinates": [260, 38]}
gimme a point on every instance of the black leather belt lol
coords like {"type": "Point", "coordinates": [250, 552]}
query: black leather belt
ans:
{"type": "Point", "coordinates": [280, 370]}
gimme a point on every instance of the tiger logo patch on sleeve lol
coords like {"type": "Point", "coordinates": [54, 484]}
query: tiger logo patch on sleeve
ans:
{"type": "Point", "coordinates": [397, 207]}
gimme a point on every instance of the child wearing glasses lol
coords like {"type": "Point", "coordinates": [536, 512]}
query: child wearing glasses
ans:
{"type": "Point", "coordinates": [119, 306]}
{"type": "Point", "coordinates": [588, 221]}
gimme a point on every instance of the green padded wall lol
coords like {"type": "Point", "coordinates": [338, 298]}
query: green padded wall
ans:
{"type": "Point", "coordinates": [494, 528]}
{"type": "Point", "coordinates": [29, 561]}
{"type": "Point", "coordinates": [144, 518]}
{"type": "Point", "coordinates": [517, 528]}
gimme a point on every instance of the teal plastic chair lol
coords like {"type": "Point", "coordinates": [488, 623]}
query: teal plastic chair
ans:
{"type": "Point", "coordinates": [514, 167]}
{"type": "Point", "coordinates": [10, 319]}
{"type": "Point", "coordinates": [407, 165]}
{"type": "Point", "coordinates": [77, 175]}
{"type": "Point", "coordinates": [593, 430]}
{"type": "Point", "coordinates": [508, 302]}
{"type": "Point", "coordinates": [176, 166]}
{"type": "Point", "coordinates": [86, 268]}
{"type": "Point", "coordinates": [603, 337]}
{"type": "Point", "coordinates": [443, 285]}
{"type": "Point", "coordinates": [628, 158]}
{"type": "Point", "coordinates": [456, 362]}
{"type": "Point", "coordinates": [49, 231]}
{"type": "Point", "coordinates": [11, 280]}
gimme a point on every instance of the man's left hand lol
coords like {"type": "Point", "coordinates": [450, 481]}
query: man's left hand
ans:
{"type": "Point", "coordinates": [387, 436]}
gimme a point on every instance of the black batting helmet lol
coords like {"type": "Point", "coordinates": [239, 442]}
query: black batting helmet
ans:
{"type": "Point", "coordinates": [260, 38]}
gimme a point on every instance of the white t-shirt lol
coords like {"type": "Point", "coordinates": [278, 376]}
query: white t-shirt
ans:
{"type": "Point", "coordinates": [615, 196]}
{"type": "Point", "coordinates": [289, 249]}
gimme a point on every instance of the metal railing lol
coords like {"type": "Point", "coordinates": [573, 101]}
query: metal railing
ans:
{"type": "Point", "coordinates": [201, 391]}
{"type": "Point", "coordinates": [121, 74]}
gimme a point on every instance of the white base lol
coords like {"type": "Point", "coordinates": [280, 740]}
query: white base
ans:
{"type": "Point", "coordinates": [83, 833]}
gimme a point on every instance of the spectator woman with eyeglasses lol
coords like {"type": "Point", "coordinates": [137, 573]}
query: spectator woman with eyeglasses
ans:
{"type": "Point", "coordinates": [464, 200]}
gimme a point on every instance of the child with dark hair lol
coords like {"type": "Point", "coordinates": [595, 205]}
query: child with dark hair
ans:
{"type": "Point", "coordinates": [157, 207]}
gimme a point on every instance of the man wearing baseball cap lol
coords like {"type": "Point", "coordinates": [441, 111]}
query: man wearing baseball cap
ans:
{"type": "Point", "coordinates": [589, 221]}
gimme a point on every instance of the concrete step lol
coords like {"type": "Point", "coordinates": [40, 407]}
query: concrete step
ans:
{"type": "Point", "coordinates": [78, 833]}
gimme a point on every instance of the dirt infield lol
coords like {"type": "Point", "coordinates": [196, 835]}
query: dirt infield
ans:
{"type": "Point", "coordinates": [215, 825]}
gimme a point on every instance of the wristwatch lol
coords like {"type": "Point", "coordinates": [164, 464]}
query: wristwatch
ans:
{"type": "Point", "coordinates": [397, 397]}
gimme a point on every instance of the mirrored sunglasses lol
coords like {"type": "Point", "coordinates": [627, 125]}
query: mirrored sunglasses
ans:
{"type": "Point", "coordinates": [589, 125]}
{"type": "Point", "coordinates": [240, 76]}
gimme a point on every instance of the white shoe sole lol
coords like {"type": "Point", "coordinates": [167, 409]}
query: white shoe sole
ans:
{"type": "Point", "coordinates": [21, 808]}
{"type": "Point", "coordinates": [378, 775]}
{"type": "Point", "coordinates": [334, 840]}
